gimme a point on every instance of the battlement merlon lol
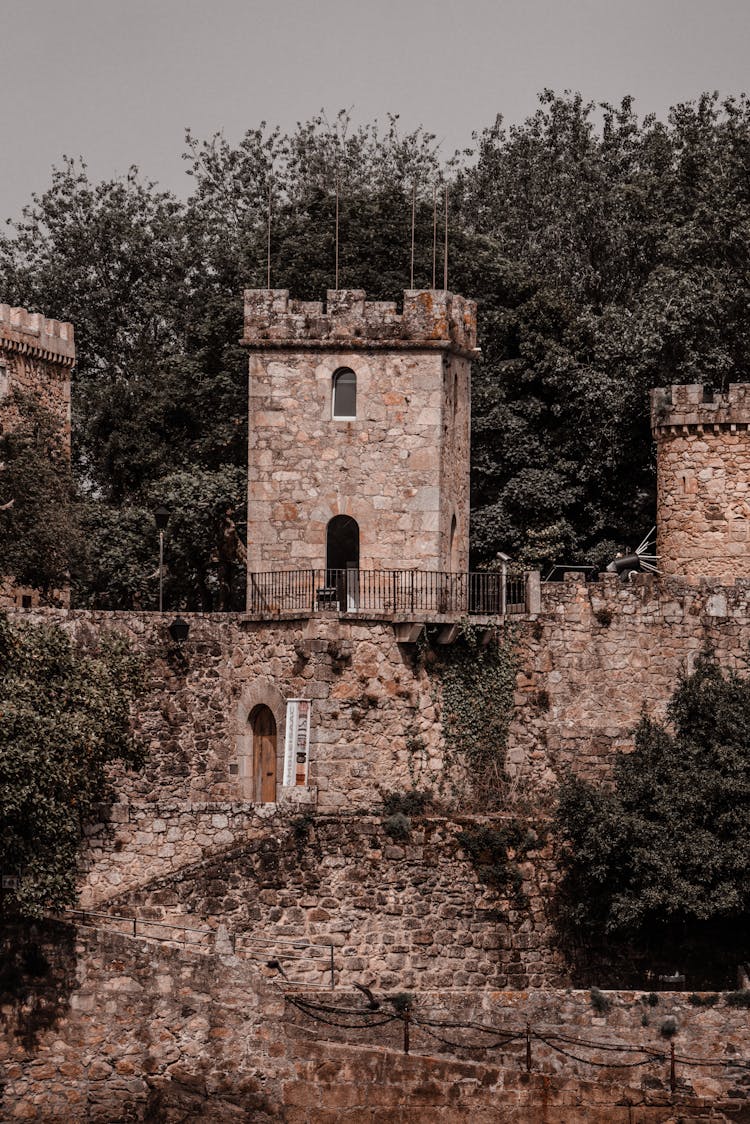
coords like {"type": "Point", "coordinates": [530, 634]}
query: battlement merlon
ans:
{"type": "Point", "coordinates": [430, 319]}
{"type": "Point", "coordinates": [689, 407]}
{"type": "Point", "coordinates": [33, 334]}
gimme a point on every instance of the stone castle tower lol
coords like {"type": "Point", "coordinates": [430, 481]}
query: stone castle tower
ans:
{"type": "Point", "coordinates": [36, 356]}
{"type": "Point", "coordinates": [359, 431]}
{"type": "Point", "coordinates": [703, 481]}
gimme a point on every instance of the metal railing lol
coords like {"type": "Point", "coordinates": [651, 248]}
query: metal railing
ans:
{"type": "Point", "coordinates": [385, 591]}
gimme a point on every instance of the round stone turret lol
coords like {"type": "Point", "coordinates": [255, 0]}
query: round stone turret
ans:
{"type": "Point", "coordinates": [703, 481]}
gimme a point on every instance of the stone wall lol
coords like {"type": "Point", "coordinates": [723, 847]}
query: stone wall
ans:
{"type": "Point", "coordinates": [369, 697]}
{"type": "Point", "coordinates": [400, 468]}
{"type": "Point", "coordinates": [406, 913]}
{"type": "Point", "coordinates": [703, 481]}
{"type": "Point", "coordinates": [599, 655]}
{"type": "Point", "coordinates": [148, 1032]}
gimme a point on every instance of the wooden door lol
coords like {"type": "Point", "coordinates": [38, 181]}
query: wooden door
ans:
{"type": "Point", "coordinates": [264, 755]}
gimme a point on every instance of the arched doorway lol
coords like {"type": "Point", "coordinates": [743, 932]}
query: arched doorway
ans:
{"type": "Point", "coordinates": [263, 725]}
{"type": "Point", "coordinates": [342, 560]}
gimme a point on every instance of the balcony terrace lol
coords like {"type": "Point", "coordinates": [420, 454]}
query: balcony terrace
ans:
{"type": "Point", "coordinates": [425, 596]}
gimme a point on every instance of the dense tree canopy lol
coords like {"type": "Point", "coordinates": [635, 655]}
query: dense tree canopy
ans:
{"type": "Point", "coordinates": [668, 842]}
{"type": "Point", "coordinates": [39, 537]}
{"type": "Point", "coordinates": [609, 253]}
{"type": "Point", "coordinates": [64, 718]}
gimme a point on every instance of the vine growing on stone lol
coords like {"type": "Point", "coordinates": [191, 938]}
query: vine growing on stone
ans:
{"type": "Point", "coordinates": [476, 685]}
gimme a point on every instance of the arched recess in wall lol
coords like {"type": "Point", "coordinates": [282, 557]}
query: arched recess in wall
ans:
{"type": "Point", "coordinates": [254, 698]}
{"type": "Point", "coordinates": [344, 394]}
{"type": "Point", "coordinates": [342, 561]}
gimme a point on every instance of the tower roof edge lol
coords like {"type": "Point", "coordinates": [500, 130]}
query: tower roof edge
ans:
{"type": "Point", "coordinates": [429, 317]}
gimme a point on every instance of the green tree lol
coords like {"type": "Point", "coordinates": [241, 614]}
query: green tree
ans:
{"type": "Point", "coordinates": [64, 719]}
{"type": "Point", "coordinates": [39, 537]}
{"type": "Point", "coordinates": [609, 254]}
{"type": "Point", "coordinates": [614, 259]}
{"type": "Point", "coordinates": [666, 846]}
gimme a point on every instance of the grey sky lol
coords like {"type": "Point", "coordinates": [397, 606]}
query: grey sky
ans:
{"type": "Point", "coordinates": [118, 80]}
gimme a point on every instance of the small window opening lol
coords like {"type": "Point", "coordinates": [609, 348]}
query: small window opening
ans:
{"type": "Point", "coordinates": [345, 394]}
{"type": "Point", "coordinates": [4, 380]}
{"type": "Point", "coordinates": [453, 547]}
{"type": "Point", "coordinates": [455, 394]}
{"type": "Point", "coordinates": [25, 600]}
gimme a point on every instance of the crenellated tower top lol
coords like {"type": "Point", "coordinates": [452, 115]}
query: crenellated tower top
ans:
{"type": "Point", "coordinates": [30, 333]}
{"type": "Point", "coordinates": [430, 319]}
{"type": "Point", "coordinates": [691, 407]}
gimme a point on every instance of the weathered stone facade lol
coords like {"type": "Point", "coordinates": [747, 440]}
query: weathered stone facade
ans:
{"type": "Point", "coordinates": [600, 654]}
{"type": "Point", "coordinates": [369, 696]}
{"type": "Point", "coordinates": [400, 468]}
{"type": "Point", "coordinates": [36, 356]}
{"type": "Point", "coordinates": [139, 1030]}
{"type": "Point", "coordinates": [407, 913]}
{"type": "Point", "coordinates": [703, 481]}
{"type": "Point", "coordinates": [311, 876]}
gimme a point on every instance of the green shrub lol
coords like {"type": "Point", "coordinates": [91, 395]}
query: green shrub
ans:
{"type": "Point", "coordinates": [696, 1000]}
{"type": "Point", "coordinates": [599, 1001]}
{"type": "Point", "coordinates": [414, 802]}
{"type": "Point", "coordinates": [487, 848]}
{"type": "Point", "coordinates": [738, 998]}
{"type": "Point", "coordinates": [667, 842]}
{"type": "Point", "coordinates": [397, 826]}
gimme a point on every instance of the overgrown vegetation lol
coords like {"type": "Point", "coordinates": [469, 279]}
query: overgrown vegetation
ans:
{"type": "Point", "coordinates": [599, 1001]}
{"type": "Point", "coordinates": [397, 826]}
{"type": "Point", "coordinates": [39, 534]}
{"type": "Point", "coordinates": [64, 719]}
{"type": "Point", "coordinates": [494, 852]}
{"type": "Point", "coordinates": [477, 681]}
{"type": "Point", "coordinates": [609, 253]}
{"type": "Point", "coordinates": [662, 855]}
{"type": "Point", "coordinates": [414, 802]}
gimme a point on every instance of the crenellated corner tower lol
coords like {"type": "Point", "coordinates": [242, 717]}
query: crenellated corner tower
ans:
{"type": "Point", "coordinates": [703, 481]}
{"type": "Point", "coordinates": [36, 357]}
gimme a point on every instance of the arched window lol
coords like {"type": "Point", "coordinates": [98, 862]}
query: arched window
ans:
{"type": "Point", "coordinates": [344, 399]}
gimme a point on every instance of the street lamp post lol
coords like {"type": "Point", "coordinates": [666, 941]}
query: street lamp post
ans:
{"type": "Point", "coordinates": [161, 518]}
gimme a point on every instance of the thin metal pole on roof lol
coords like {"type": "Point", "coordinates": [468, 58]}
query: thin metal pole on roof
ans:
{"type": "Point", "coordinates": [336, 286]}
{"type": "Point", "coordinates": [445, 253]}
{"type": "Point", "coordinates": [434, 234]}
{"type": "Point", "coordinates": [413, 218]}
{"type": "Point", "coordinates": [268, 241]}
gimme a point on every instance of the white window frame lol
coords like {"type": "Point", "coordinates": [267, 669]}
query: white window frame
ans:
{"type": "Point", "coordinates": [296, 741]}
{"type": "Point", "coordinates": [334, 380]}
